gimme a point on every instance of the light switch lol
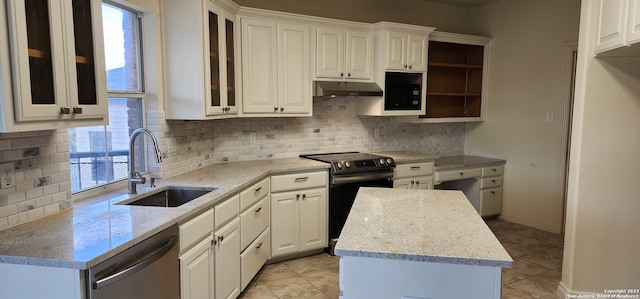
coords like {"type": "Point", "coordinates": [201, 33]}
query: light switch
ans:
{"type": "Point", "coordinates": [549, 116]}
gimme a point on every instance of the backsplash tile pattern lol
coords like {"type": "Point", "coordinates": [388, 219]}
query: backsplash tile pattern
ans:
{"type": "Point", "coordinates": [334, 127]}
{"type": "Point", "coordinates": [41, 159]}
{"type": "Point", "coordinates": [42, 181]}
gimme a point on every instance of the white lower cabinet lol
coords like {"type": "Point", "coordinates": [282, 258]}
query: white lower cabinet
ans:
{"type": "Point", "coordinates": [227, 260]}
{"type": "Point", "coordinates": [299, 207]}
{"type": "Point", "coordinates": [196, 271]}
{"type": "Point", "coordinates": [299, 221]}
{"type": "Point", "coordinates": [413, 176]}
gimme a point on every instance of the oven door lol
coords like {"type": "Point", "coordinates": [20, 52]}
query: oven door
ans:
{"type": "Point", "coordinates": [342, 193]}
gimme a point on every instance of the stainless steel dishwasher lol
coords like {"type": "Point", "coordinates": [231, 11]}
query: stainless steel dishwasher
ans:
{"type": "Point", "coordinates": [149, 269]}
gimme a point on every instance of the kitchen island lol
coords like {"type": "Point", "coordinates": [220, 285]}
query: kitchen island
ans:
{"type": "Point", "coordinates": [418, 244]}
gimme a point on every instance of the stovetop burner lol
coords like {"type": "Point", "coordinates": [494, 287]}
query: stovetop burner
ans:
{"type": "Point", "coordinates": [353, 162]}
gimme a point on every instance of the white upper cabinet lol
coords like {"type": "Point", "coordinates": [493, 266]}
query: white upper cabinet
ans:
{"type": "Point", "coordinates": [54, 76]}
{"type": "Point", "coordinates": [344, 53]}
{"type": "Point", "coordinates": [201, 67]}
{"type": "Point", "coordinates": [276, 73]}
{"type": "Point", "coordinates": [618, 27]}
{"type": "Point", "coordinates": [406, 51]}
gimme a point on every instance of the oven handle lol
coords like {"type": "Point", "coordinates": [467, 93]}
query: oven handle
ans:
{"type": "Point", "coordinates": [361, 177]}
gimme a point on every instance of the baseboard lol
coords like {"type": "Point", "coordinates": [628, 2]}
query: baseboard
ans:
{"type": "Point", "coordinates": [566, 293]}
{"type": "Point", "coordinates": [527, 223]}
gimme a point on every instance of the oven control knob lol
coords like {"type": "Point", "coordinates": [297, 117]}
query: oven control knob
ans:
{"type": "Point", "coordinates": [381, 161]}
{"type": "Point", "coordinates": [389, 161]}
{"type": "Point", "coordinates": [339, 165]}
{"type": "Point", "coordinates": [347, 164]}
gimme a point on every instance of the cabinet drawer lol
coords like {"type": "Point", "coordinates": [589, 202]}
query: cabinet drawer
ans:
{"type": "Point", "coordinates": [492, 171]}
{"type": "Point", "coordinates": [491, 202]}
{"type": "Point", "coordinates": [254, 193]}
{"type": "Point", "coordinates": [491, 182]}
{"type": "Point", "coordinates": [227, 210]}
{"type": "Point", "coordinates": [253, 221]}
{"type": "Point", "coordinates": [413, 170]}
{"type": "Point", "coordinates": [299, 181]}
{"type": "Point", "coordinates": [252, 259]}
{"type": "Point", "coordinates": [196, 229]}
{"type": "Point", "coordinates": [442, 176]}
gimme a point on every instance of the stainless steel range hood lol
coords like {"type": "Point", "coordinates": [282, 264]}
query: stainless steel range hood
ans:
{"type": "Point", "coordinates": [330, 89]}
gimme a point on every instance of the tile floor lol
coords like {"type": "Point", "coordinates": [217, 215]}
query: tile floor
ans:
{"type": "Point", "coordinates": [536, 269]}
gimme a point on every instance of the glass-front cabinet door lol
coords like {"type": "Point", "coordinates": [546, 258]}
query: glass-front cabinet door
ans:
{"type": "Point", "coordinates": [57, 59]}
{"type": "Point", "coordinates": [221, 91]}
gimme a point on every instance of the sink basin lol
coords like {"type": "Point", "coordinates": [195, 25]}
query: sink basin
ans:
{"type": "Point", "coordinates": [171, 197]}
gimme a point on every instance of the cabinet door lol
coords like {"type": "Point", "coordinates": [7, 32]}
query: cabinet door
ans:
{"type": "Point", "coordinates": [294, 74]}
{"type": "Point", "coordinates": [58, 59]}
{"type": "Point", "coordinates": [313, 217]}
{"type": "Point", "coordinates": [227, 260]}
{"type": "Point", "coordinates": [220, 49]}
{"type": "Point", "coordinates": [196, 271]}
{"type": "Point", "coordinates": [633, 31]}
{"type": "Point", "coordinates": [396, 52]}
{"type": "Point", "coordinates": [425, 182]}
{"type": "Point", "coordinates": [612, 25]}
{"type": "Point", "coordinates": [417, 52]}
{"type": "Point", "coordinates": [406, 183]}
{"type": "Point", "coordinates": [259, 73]}
{"type": "Point", "coordinates": [330, 53]}
{"type": "Point", "coordinates": [87, 72]}
{"type": "Point", "coordinates": [359, 54]}
{"type": "Point", "coordinates": [285, 223]}
{"type": "Point", "coordinates": [37, 44]}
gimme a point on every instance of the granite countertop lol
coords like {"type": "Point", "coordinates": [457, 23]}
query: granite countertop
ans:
{"type": "Point", "coordinates": [91, 232]}
{"type": "Point", "coordinates": [465, 161]}
{"type": "Point", "coordinates": [419, 225]}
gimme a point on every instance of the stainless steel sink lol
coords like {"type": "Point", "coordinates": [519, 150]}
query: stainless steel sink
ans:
{"type": "Point", "coordinates": [172, 196]}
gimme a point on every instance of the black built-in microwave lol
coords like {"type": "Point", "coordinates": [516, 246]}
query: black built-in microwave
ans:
{"type": "Point", "coordinates": [403, 91]}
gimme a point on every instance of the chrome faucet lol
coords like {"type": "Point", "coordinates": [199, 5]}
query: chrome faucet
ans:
{"type": "Point", "coordinates": [134, 176]}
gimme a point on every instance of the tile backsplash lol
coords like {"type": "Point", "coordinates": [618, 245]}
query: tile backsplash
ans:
{"type": "Point", "coordinates": [42, 183]}
{"type": "Point", "coordinates": [41, 159]}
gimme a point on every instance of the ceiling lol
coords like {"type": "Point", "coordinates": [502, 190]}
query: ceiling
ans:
{"type": "Point", "coordinates": [467, 3]}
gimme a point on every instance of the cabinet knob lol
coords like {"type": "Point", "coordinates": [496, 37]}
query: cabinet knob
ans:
{"type": "Point", "coordinates": [409, 66]}
{"type": "Point", "coordinates": [220, 238]}
{"type": "Point", "coordinates": [348, 74]}
{"type": "Point", "coordinates": [304, 196]}
{"type": "Point", "coordinates": [341, 75]}
{"type": "Point", "coordinates": [297, 196]}
{"type": "Point", "coordinates": [406, 66]}
{"type": "Point", "coordinates": [275, 109]}
{"type": "Point", "coordinates": [462, 173]}
{"type": "Point", "coordinates": [65, 110]}
{"type": "Point", "coordinates": [77, 110]}
{"type": "Point", "coordinates": [281, 109]}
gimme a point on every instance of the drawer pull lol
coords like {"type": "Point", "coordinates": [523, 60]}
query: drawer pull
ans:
{"type": "Point", "coordinates": [462, 174]}
{"type": "Point", "coordinates": [258, 210]}
{"type": "Point", "coordinates": [302, 179]}
{"type": "Point", "coordinates": [259, 245]}
{"type": "Point", "coordinates": [304, 196]}
{"type": "Point", "coordinates": [493, 192]}
{"type": "Point", "coordinates": [415, 167]}
{"type": "Point", "coordinates": [495, 170]}
{"type": "Point", "coordinates": [297, 196]}
{"type": "Point", "coordinates": [493, 181]}
{"type": "Point", "coordinates": [258, 190]}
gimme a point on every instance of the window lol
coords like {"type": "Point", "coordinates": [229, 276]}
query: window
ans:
{"type": "Point", "coordinates": [99, 154]}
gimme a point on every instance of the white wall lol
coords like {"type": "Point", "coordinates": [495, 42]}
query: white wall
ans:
{"type": "Point", "coordinates": [527, 78]}
{"type": "Point", "coordinates": [603, 222]}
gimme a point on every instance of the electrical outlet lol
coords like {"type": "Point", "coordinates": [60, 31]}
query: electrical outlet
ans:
{"type": "Point", "coordinates": [7, 175]}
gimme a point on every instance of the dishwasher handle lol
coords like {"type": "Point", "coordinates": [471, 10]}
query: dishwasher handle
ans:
{"type": "Point", "coordinates": [122, 274]}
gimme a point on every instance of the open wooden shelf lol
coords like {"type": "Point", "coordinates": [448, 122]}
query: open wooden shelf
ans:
{"type": "Point", "coordinates": [454, 81]}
